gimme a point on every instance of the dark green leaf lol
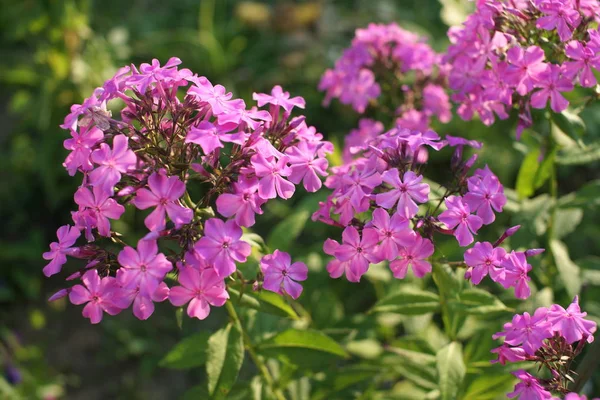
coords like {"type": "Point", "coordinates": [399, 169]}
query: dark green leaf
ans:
{"type": "Point", "coordinates": [225, 355]}
{"type": "Point", "coordinates": [544, 172]}
{"type": "Point", "coordinates": [264, 301]}
{"type": "Point", "coordinates": [586, 196]}
{"type": "Point", "coordinates": [188, 353]}
{"type": "Point", "coordinates": [570, 123]}
{"type": "Point", "coordinates": [451, 371]}
{"type": "Point", "coordinates": [299, 339]}
{"type": "Point", "coordinates": [409, 301]}
{"type": "Point", "coordinates": [284, 233]}
{"type": "Point", "coordinates": [566, 221]}
{"type": "Point", "coordinates": [490, 387]}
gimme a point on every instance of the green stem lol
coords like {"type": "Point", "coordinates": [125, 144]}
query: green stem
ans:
{"type": "Point", "coordinates": [262, 367]}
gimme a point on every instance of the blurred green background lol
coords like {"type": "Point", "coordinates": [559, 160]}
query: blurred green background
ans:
{"type": "Point", "coordinates": [53, 53]}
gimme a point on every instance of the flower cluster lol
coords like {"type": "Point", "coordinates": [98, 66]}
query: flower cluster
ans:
{"type": "Point", "coordinates": [547, 338]}
{"type": "Point", "coordinates": [162, 153]}
{"type": "Point", "coordinates": [522, 54]}
{"type": "Point", "coordinates": [388, 61]}
{"type": "Point", "coordinates": [376, 199]}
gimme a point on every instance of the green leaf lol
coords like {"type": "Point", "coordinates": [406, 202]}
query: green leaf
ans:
{"type": "Point", "coordinates": [576, 155]}
{"type": "Point", "coordinates": [196, 392]}
{"type": "Point", "coordinates": [409, 301]}
{"type": "Point", "coordinates": [450, 286]}
{"type": "Point", "coordinates": [451, 370]}
{"type": "Point", "coordinates": [489, 387]}
{"type": "Point", "coordinates": [544, 172]}
{"type": "Point", "coordinates": [587, 196]}
{"type": "Point", "coordinates": [303, 339]}
{"type": "Point", "coordinates": [567, 269]}
{"type": "Point", "coordinates": [566, 221]}
{"type": "Point", "coordinates": [526, 179]}
{"type": "Point", "coordinates": [284, 233]}
{"type": "Point", "coordinates": [188, 353]}
{"type": "Point", "coordinates": [476, 301]}
{"type": "Point", "coordinates": [267, 302]}
{"type": "Point", "coordinates": [570, 123]}
{"type": "Point", "coordinates": [225, 355]}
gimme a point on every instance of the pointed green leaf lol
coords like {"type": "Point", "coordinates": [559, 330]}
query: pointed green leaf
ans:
{"type": "Point", "coordinates": [567, 269]}
{"type": "Point", "coordinates": [409, 301]}
{"type": "Point", "coordinates": [570, 123]}
{"type": "Point", "coordinates": [527, 173]}
{"type": "Point", "coordinates": [267, 302]}
{"type": "Point", "coordinates": [188, 353]}
{"type": "Point", "coordinates": [299, 339]}
{"type": "Point", "coordinates": [451, 370]}
{"type": "Point", "coordinates": [577, 155]}
{"type": "Point", "coordinates": [225, 356]}
{"type": "Point", "coordinates": [476, 301]}
{"type": "Point", "coordinates": [490, 387]}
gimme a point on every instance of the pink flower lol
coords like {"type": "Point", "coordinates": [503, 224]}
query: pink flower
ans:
{"type": "Point", "coordinates": [112, 163]}
{"type": "Point", "coordinates": [144, 268]}
{"type": "Point", "coordinates": [282, 277]}
{"type": "Point", "coordinates": [304, 167]}
{"type": "Point", "coordinates": [99, 294]}
{"type": "Point", "coordinates": [150, 73]}
{"type": "Point", "coordinates": [585, 58]}
{"type": "Point", "coordinates": [484, 194]}
{"type": "Point", "coordinates": [516, 269]}
{"type": "Point", "coordinates": [141, 295]}
{"type": "Point", "coordinates": [221, 246]}
{"type": "Point", "coordinates": [201, 288]}
{"type": "Point", "coordinates": [271, 172]}
{"type": "Point", "coordinates": [552, 83]}
{"type": "Point", "coordinates": [81, 145]}
{"type": "Point", "coordinates": [243, 203]}
{"type": "Point", "coordinates": [404, 193]}
{"type": "Point", "coordinates": [560, 15]}
{"type": "Point", "coordinates": [414, 255]}
{"type": "Point", "coordinates": [359, 252]}
{"type": "Point", "coordinates": [525, 67]}
{"type": "Point", "coordinates": [393, 232]}
{"type": "Point", "coordinates": [529, 388]}
{"type": "Point", "coordinates": [335, 267]}
{"type": "Point", "coordinates": [359, 184]}
{"type": "Point", "coordinates": [100, 206]}
{"type": "Point", "coordinates": [210, 136]}
{"type": "Point", "coordinates": [483, 258]}
{"type": "Point", "coordinates": [458, 217]}
{"type": "Point", "coordinates": [507, 353]}
{"type": "Point", "coordinates": [570, 324]}
{"type": "Point", "coordinates": [528, 331]}
{"type": "Point", "coordinates": [67, 236]}
{"type": "Point", "coordinates": [216, 96]}
{"type": "Point", "coordinates": [279, 98]}
{"type": "Point", "coordinates": [164, 194]}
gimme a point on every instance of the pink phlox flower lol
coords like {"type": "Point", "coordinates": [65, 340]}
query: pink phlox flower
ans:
{"type": "Point", "coordinates": [455, 141]}
{"type": "Point", "coordinates": [525, 67]}
{"type": "Point", "coordinates": [81, 145]}
{"type": "Point", "coordinates": [458, 217]}
{"type": "Point", "coordinates": [552, 83]}
{"type": "Point", "coordinates": [405, 192]}
{"type": "Point", "coordinates": [359, 252]}
{"type": "Point", "coordinates": [417, 139]}
{"type": "Point", "coordinates": [221, 245]}
{"type": "Point", "coordinates": [112, 163]}
{"type": "Point", "coordinates": [141, 296]}
{"type": "Point", "coordinates": [585, 59]}
{"type": "Point", "coordinates": [393, 233]}
{"type": "Point", "coordinates": [270, 172]}
{"type": "Point", "coordinates": [216, 96]}
{"type": "Point", "coordinates": [243, 202]}
{"type": "Point", "coordinates": [115, 85]}
{"type": "Point", "coordinates": [570, 323]}
{"type": "Point", "coordinates": [359, 89]}
{"type": "Point", "coordinates": [281, 276]}
{"type": "Point", "coordinates": [151, 73]}
{"type": "Point", "coordinates": [305, 166]}
{"type": "Point", "coordinates": [251, 118]}
{"type": "Point", "coordinates": [335, 267]}
{"type": "Point", "coordinates": [163, 193]}
{"type": "Point", "coordinates": [508, 353]}
{"type": "Point", "coordinates": [144, 268]}
{"type": "Point", "coordinates": [99, 294]}
{"type": "Point", "coordinates": [559, 15]}
{"type": "Point", "coordinates": [67, 236]}
{"type": "Point", "coordinates": [99, 204]}
{"type": "Point", "coordinates": [529, 388]}
{"type": "Point", "coordinates": [359, 184]}
{"type": "Point", "coordinates": [201, 288]}
{"type": "Point", "coordinates": [528, 331]}
{"type": "Point", "coordinates": [485, 259]}
{"type": "Point", "coordinates": [413, 255]}
{"type": "Point", "coordinates": [437, 102]}
{"type": "Point", "coordinates": [484, 195]}
{"type": "Point", "coordinates": [210, 136]}
{"type": "Point", "coordinates": [77, 110]}
{"type": "Point", "coordinates": [279, 98]}
{"type": "Point", "coordinates": [516, 269]}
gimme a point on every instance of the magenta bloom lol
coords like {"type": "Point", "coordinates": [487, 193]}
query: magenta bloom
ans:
{"type": "Point", "coordinates": [458, 217]}
{"type": "Point", "coordinates": [528, 331]}
{"type": "Point", "coordinates": [216, 96]}
{"type": "Point", "coordinates": [507, 353]}
{"type": "Point", "coordinates": [570, 323]}
{"type": "Point", "coordinates": [281, 276]}
{"type": "Point", "coordinates": [100, 206]}
{"type": "Point", "coordinates": [164, 194]}
{"type": "Point", "coordinates": [485, 193]}
{"type": "Point", "coordinates": [414, 255]}
{"type": "Point", "coordinates": [529, 388]}
{"type": "Point", "coordinates": [404, 193]}
{"type": "Point", "coordinates": [305, 168]}
{"type": "Point", "coordinates": [359, 252]}
{"type": "Point", "coordinates": [99, 294]}
{"type": "Point", "coordinates": [150, 73]}
{"type": "Point", "coordinates": [279, 98]}
{"type": "Point", "coordinates": [243, 203]}
{"type": "Point", "coordinates": [560, 15]}
{"type": "Point", "coordinates": [552, 83]}
{"type": "Point", "coordinates": [585, 58]}
{"type": "Point", "coordinates": [141, 295]}
{"type": "Point", "coordinates": [516, 269]}
{"type": "Point", "coordinates": [525, 67]}
{"type": "Point", "coordinates": [67, 236]}
{"type": "Point", "coordinates": [271, 172]}
{"type": "Point", "coordinates": [221, 246]}
{"type": "Point", "coordinates": [393, 232]}
{"type": "Point", "coordinates": [81, 145]}
{"type": "Point", "coordinates": [335, 267]}
{"type": "Point", "coordinates": [201, 289]}
{"type": "Point", "coordinates": [483, 258]}
{"type": "Point", "coordinates": [210, 136]}
{"type": "Point", "coordinates": [145, 268]}
{"type": "Point", "coordinates": [360, 183]}
{"type": "Point", "coordinates": [112, 163]}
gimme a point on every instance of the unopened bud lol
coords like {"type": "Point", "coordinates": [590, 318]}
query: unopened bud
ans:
{"type": "Point", "coordinates": [533, 252]}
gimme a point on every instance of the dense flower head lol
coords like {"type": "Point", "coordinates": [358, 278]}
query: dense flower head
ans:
{"type": "Point", "coordinates": [522, 54]}
{"type": "Point", "coordinates": [178, 149]}
{"type": "Point", "coordinates": [550, 334]}
{"type": "Point", "coordinates": [387, 55]}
